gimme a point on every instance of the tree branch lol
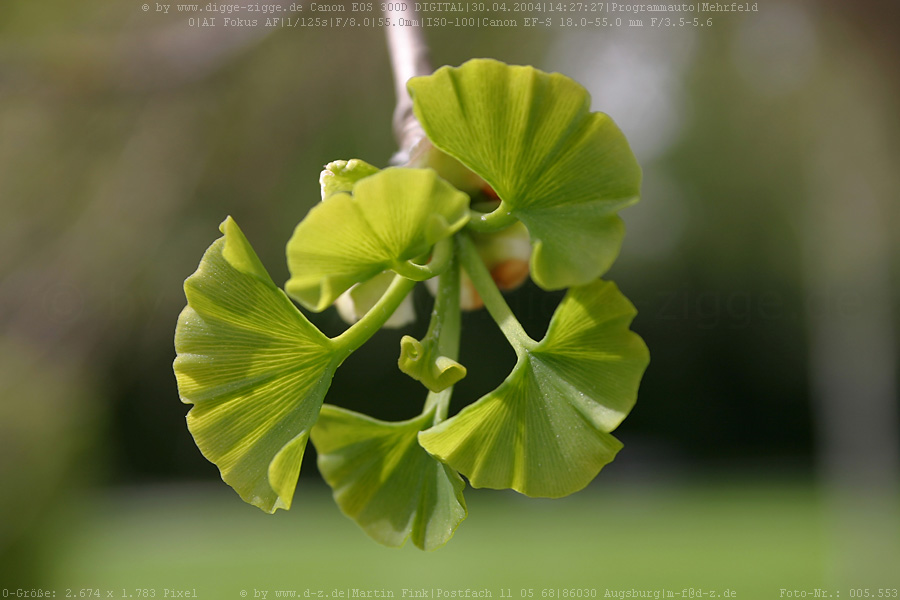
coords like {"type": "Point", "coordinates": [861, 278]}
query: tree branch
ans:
{"type": "Point", "coordinates": [409, 58]}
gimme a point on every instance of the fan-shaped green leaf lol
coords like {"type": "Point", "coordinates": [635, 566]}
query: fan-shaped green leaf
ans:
{"type": "Point", "coordinates": [557, 167]}
{"type": "Point", "coordinates": [545, 430]}
{"type": "Point", "coordinates": [255, 369]}
{"type": "Point", "coordinates": [392, 217]}
{"type": "Point", "coordinates": [385, 481]}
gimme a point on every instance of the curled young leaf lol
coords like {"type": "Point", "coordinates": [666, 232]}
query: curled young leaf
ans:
{"type": "Point", "coordinates": [432, 361]}
{"type": "Point", "coordinates": [422, 362]}
{"type": "Point", "coordinates": [557, 167]}
{"type": "Point", "coordinates": [391, 218]}
{"type": "Point", "coordinates": [545, 431]}
{"type": "Point", "coordinates": [255, 369]}
{"type": "Point", "coordinates": [385, 481]}
{"type": "Point", "coordinates": [342, 175]}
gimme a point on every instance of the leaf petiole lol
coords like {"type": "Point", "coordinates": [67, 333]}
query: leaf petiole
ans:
{"type": "Point", "coordinates": [444, 331]}
{"type": "Point", "coordinates": [445, 321]}
{"type": "Point", "coordinates": [357, 334]}
{"type": "Point", "coordinates": [440, 259]}
{"type": "Point", "coordinates": [490, 294]}
{"type": "Point", "coordinates": [499, 218]}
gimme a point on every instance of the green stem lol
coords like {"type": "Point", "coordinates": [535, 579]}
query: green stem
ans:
{"type": "Point", "coordinates": [440, 258]}
{"type": "Point", "coordinates": [445, 318]}
{"type": "Point", "coordinates": [357, 334]}
{"type": "Point", "coordinates": [499, 218]}
{"type": "Point", "coordinates": [445, 329]}
{"type": "Point", "coordinates": [440, 401]}
{"type": "Point", "coordinates": [490, 294]}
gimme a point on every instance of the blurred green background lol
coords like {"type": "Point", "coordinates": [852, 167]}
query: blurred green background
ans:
{"type": "Point", "coordinates": [763, 452]}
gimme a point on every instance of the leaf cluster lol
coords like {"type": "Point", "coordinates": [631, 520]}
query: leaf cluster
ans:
{"type": "Point", "coordinates": [510, 151]}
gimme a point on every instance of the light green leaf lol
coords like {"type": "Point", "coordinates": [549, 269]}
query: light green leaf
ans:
{"type": "Point", "coordinates": [557, 167]}
{"type": "Point", "coordinates": [545, 431]}
{"type": "Point", "coordinates": [392, 217]}
{"type": "Point", "coordinates": [385, 481]}
{"type": "Point", "coordinates": [341, 175]}
{"type": "Point", "coordinates": [255, 369]}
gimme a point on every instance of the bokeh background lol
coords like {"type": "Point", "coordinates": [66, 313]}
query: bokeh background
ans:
{"type": "Point", "coordinates": [763, 452]}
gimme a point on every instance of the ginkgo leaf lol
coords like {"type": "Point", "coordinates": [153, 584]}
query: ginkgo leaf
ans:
{"type": "Point", "coordinates": [392, 217]}
{"type": "Point", "coordinates": [557, 167]}
{"type": "Point", "coordinates": [341, 175]}
{"type": "Point", "coordinates": [255, 369]}
{"type": "Point", "coordinates": [545, 430]}
{"type": "Point", "coordinates": [385, 481]}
